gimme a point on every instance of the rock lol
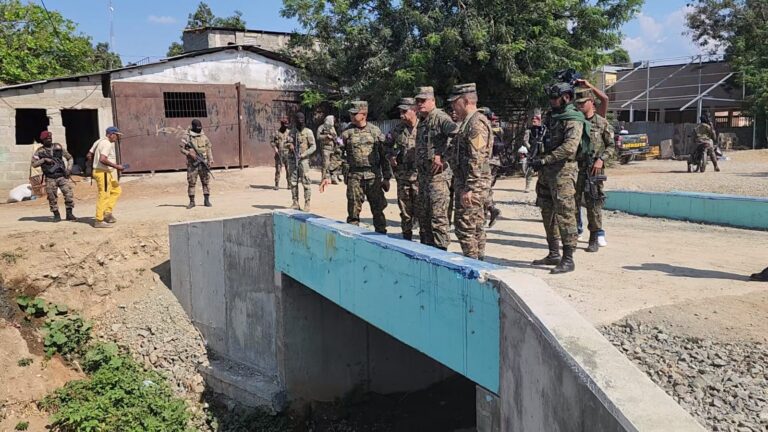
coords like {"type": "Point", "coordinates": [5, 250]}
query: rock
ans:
{"type": "Point", "coordinates": [116, 327]}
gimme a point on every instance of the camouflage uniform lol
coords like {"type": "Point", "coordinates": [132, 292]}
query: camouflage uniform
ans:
{"type": "Point", "coordinates": [472, 173]}
{"type": "Point", "coordinates": [432, 135]}
{"type": "Point", "coordinates": [326, 136]}
{"type": "Point", "coordinates": [556, 187]}
{"type": "Point", "coordinates": [304, 147]}
{"type": "Point", "coordinates": [704, 134]}
{"type": "Point", "coordinates": [402, 145]}
{"type": "Point", "coordinates": [603, 147]}
{"type": "Point", "coordinates": [202, 144]}
{"type": "Point", "coordinates": [56, 175]}
{"type": "Point", "coordinates": [280, 144]}
{"type": "Point", "coordinates": [367, 165]}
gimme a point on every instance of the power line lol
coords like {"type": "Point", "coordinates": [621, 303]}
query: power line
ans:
{"type": "Point", "coordinates": [53, 26]}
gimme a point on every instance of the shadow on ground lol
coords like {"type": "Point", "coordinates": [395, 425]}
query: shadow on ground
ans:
{"type": "Point", "coordinates": [49, 219]}
{"type": "Point", "coordinates": [164, 271]}
{"type": "Point", "coordinates": [680, 271]}
{"type": "Point", "coordinates": [269, 207]}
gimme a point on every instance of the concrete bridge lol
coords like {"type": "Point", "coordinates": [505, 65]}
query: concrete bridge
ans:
{"type": "Point", "coordinates": [296, 308]}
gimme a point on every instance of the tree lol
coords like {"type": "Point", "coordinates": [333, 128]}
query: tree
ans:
{"type": "Point", "coordinates": [204, 17]}
{"type": "Point", "coordinates": [37, 44]}
{"type": "Point", "coordinates": [619, 56]}
{"type": "Point", "coordinates": [381, 50]}
{"type": "Point", "coordinates": [736, 28]}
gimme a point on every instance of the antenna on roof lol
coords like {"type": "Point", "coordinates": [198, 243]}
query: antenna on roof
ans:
{"type": "Point", "coordinates": [111, 31]}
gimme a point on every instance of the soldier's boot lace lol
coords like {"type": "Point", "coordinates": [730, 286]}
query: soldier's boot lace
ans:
{"type": "Point", "coordinates": [191, 202]}
{"type": "Point", "coordinates": [593, 245]}
{"type": "Point", "coordinates": [566, 264]}
{"type": "Point", "coordinates": [70, 215]}
{"type": "Point", "coordinates": [56, 216]}
{"type": "Point", "coordinates": [207, 200]}
{"type": "Point", "coordinates": [554, 254]}
{"type": "Point", "coordinates": [495, 213]}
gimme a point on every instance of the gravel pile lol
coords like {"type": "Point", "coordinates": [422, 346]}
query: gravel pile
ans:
{"type": "Point", "coordinates": [158, 334]}
{"type": "Point", "coordinates": [724, 385]}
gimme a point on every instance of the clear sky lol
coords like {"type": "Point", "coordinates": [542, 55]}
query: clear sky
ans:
{"type": "Point", "coordinates": [145, 28]}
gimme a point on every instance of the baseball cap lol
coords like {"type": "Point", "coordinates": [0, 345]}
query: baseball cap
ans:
{"type": "Point", "coordinates": [113, 130]}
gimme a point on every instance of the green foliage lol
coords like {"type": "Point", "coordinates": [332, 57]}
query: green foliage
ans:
{"type": "Point", "coordinates": [37, 307]}
{"type": "Point", "coordinates": [312, 98]}
{"type": "Point", "coordinates": [24, 362]}
{"type": "Point", "coordinates": [382, 50]}
{"type": "Point", "coordinates": [21, 426]}
{"type": "Point", "coordinates": [175, 49]}
{"type": "Point", "coordinates": [106, 59]}
{"type": "Point", "coordinates": [738, 28]}
{"type": "Point", "coordinates": [37, 45]}
{"type": "Point", "coordinates": [66, 335]}
{"type": "Point", "coordinates": [203, 17]}
{"type": "Point", "coordinates": [10, 257]}
{"type": "Point", "coordinates": [620, 56]}
{"type": "Point", "coordinates": [119, 395]}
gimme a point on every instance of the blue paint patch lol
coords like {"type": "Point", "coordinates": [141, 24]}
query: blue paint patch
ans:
{"type": "Point", "coordinates": [731, 210]}
{"type": "Point", "coordinates": [434, 301]}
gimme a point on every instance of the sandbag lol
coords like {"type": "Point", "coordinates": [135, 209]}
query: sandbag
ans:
{"type": "Point", "coordinates": [20, 193]}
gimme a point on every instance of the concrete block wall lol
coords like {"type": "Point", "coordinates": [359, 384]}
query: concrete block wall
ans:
{"type": "Point", "coordinates": [539, 365]}
{"type": "Point", "coordinates": [53, 97]}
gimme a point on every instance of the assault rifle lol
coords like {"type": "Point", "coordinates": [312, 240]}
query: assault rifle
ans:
{"type": "Point", "coordinates": [197, 158]}
{"type": "Point", "coordinates": [592, 183]}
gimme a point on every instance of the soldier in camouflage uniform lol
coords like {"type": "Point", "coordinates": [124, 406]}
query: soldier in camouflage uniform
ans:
{"type": "Point", "coordinates": [198, 144]}
{"type": "Point", "coordinates": [401, 149]}
{"type": "Point", "coordinates": [56, 165]}
{"type": "Point", "coordinates": [556, 187]}
{"type": "Point", "coordinates": [532, 142]}
{"type": "Point", "coordinates": [434, 171]}
{"type": "Point", "coordinates": [602, 148]}
{"type": "Point", "coordinates": [369, 171]}
{"type": "Point", "coordinates": [705, 135]}
{"type": "Point", "coordinates": [301, 146]}
{"type": "Point", "coordinates": [472, 171]}
{"type": "Point", "coordinates": [326, 136]}
{"type": "Point", "coordinates": [280, 146]}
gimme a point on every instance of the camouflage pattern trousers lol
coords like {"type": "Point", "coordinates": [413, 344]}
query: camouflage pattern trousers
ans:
{"type": "Point", "coordinates": [193, 172]}
{"type": "Point", "coordinates": [594, 205]}
{"type": "Point", "coordinates": [280, 163]}
{"type": "Point", "coordinates": [556, 196]}
{"type": "Point", "coordinates": [362, 186]}
{"type": "Point", "coordinates": [298, 173]}
{"type": "Point", "coordinates": [51, 189]}
{"type": "Point", "coordinates": [434, 196]}
{"type": "Point", "coordinates": [469, 224]}
{"type": "Point", "coordinates": [408, 201]}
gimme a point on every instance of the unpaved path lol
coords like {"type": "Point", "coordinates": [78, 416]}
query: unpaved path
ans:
{"type": "Point", "coordinates": [690, 276]}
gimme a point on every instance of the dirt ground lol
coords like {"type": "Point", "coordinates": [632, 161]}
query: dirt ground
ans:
{"type": "Point", "coordinates": [691, 277]}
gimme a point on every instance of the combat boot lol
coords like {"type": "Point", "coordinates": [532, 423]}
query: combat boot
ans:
{"type": "Point", "coordinates": [554, 254]}
{"type": "Point", "coordinates": [408, 236]}
{"type": "Point", "coordinates": [70, 215]}
{"type": "Point", "coordinates": [191, 202]}
{"type": "Point", "coordinates": [295, 205]}
{"type": "Point", "coordinates": [56, 216]}
{"type": "Point", "coordinates": [495, 213]}
{"type": "Point", "coordinates": [207, 200]}
{"type": "Point", "coordinates": [334, 181]}
{"type": "Point", "coordinates": [593, 246]}
{"type": "Point", "coordinates": [566, 264]}
{"type": "Point", "coordinates": [760, 277]}
{"type": "Point", "coordinates": [306, 205]}
{"type": "Point", "coordinates": [277, 185]}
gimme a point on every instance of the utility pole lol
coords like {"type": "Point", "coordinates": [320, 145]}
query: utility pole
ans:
{"type": "Point", "coordinates": [111, 32]}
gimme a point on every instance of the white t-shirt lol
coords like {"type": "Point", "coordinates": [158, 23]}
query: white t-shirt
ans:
{"type": "Point", "coordinates": [107, 148]}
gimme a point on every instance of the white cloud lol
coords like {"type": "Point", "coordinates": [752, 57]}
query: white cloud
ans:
{"type": "Point", "coordinates": [161, 19]}
{"type": "Point", "coordinates": [660, 37]}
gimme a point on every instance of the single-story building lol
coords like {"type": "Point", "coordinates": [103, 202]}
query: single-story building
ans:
{"type": "Point", "coordinates": [238, 92]}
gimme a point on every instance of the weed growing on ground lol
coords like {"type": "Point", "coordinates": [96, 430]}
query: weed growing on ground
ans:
{"type": "Point", "coordinates": [10, 257]}
{"type": "Point", "coordinates": [119, 395]}
{"type": "Point", "coordinates": [21, 426]}
{"type": "Point", "coordinates": [37, 307]}
{"type": "Point", "coordinates": [26, 361]}
{"type": "Point", "coordinates": [66, 336]}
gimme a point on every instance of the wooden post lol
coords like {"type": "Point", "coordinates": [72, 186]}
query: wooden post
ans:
{"type": "Point", "coordinates": [239, 88]}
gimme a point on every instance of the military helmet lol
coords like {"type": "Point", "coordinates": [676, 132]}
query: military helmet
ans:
{"type": "Point", "coordinates": [559, 89]}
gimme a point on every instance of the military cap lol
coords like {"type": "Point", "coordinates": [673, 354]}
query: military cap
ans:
{"type": "Point", "coordinates": [425, 93]}
{"type": "Point", "coordinates": [460, 90]}
{"type": "Point", "coordinates": [584, 94]}
{"type": "Point", "coordinates": [358, 106]}
{"type": "Point", "coordinates": [406, 103]}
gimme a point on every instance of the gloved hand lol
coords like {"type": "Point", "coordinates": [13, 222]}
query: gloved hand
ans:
{"type": "Point", "coordinates": [536, 164]}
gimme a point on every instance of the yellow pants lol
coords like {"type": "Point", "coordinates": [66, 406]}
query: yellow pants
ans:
{"type": "Point", "coordinates": [109, 191]}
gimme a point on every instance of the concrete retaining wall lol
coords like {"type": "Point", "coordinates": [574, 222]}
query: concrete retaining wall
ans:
{"type": "Point", "coordinates": [540, 365]}
{"type": "Point", "coordinates": [732, 210]}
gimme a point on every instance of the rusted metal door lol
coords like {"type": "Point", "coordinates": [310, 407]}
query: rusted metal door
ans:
{"type": "Point", "coordinates": [262, 110]}
{"type": "Point", "coordinates": [153, 125]}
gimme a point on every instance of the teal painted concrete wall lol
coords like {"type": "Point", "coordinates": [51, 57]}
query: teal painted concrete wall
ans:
{"type": "Point", "coordinates": [732, 210]}
{"type": "Point", "coordinates": [434, 301]}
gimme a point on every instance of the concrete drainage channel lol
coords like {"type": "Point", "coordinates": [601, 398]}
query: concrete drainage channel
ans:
{"type": "Point", "coordinates": [299, 309]}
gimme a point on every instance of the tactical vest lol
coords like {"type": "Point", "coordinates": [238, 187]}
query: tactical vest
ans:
{"type": "Point", "coordinates": [360, 143]}
{"type": "Point", "coordinates": [58, 168]}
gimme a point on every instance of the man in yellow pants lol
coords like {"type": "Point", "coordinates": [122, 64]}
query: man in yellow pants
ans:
{"type": "Point", "coordinates": [105, 169]}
